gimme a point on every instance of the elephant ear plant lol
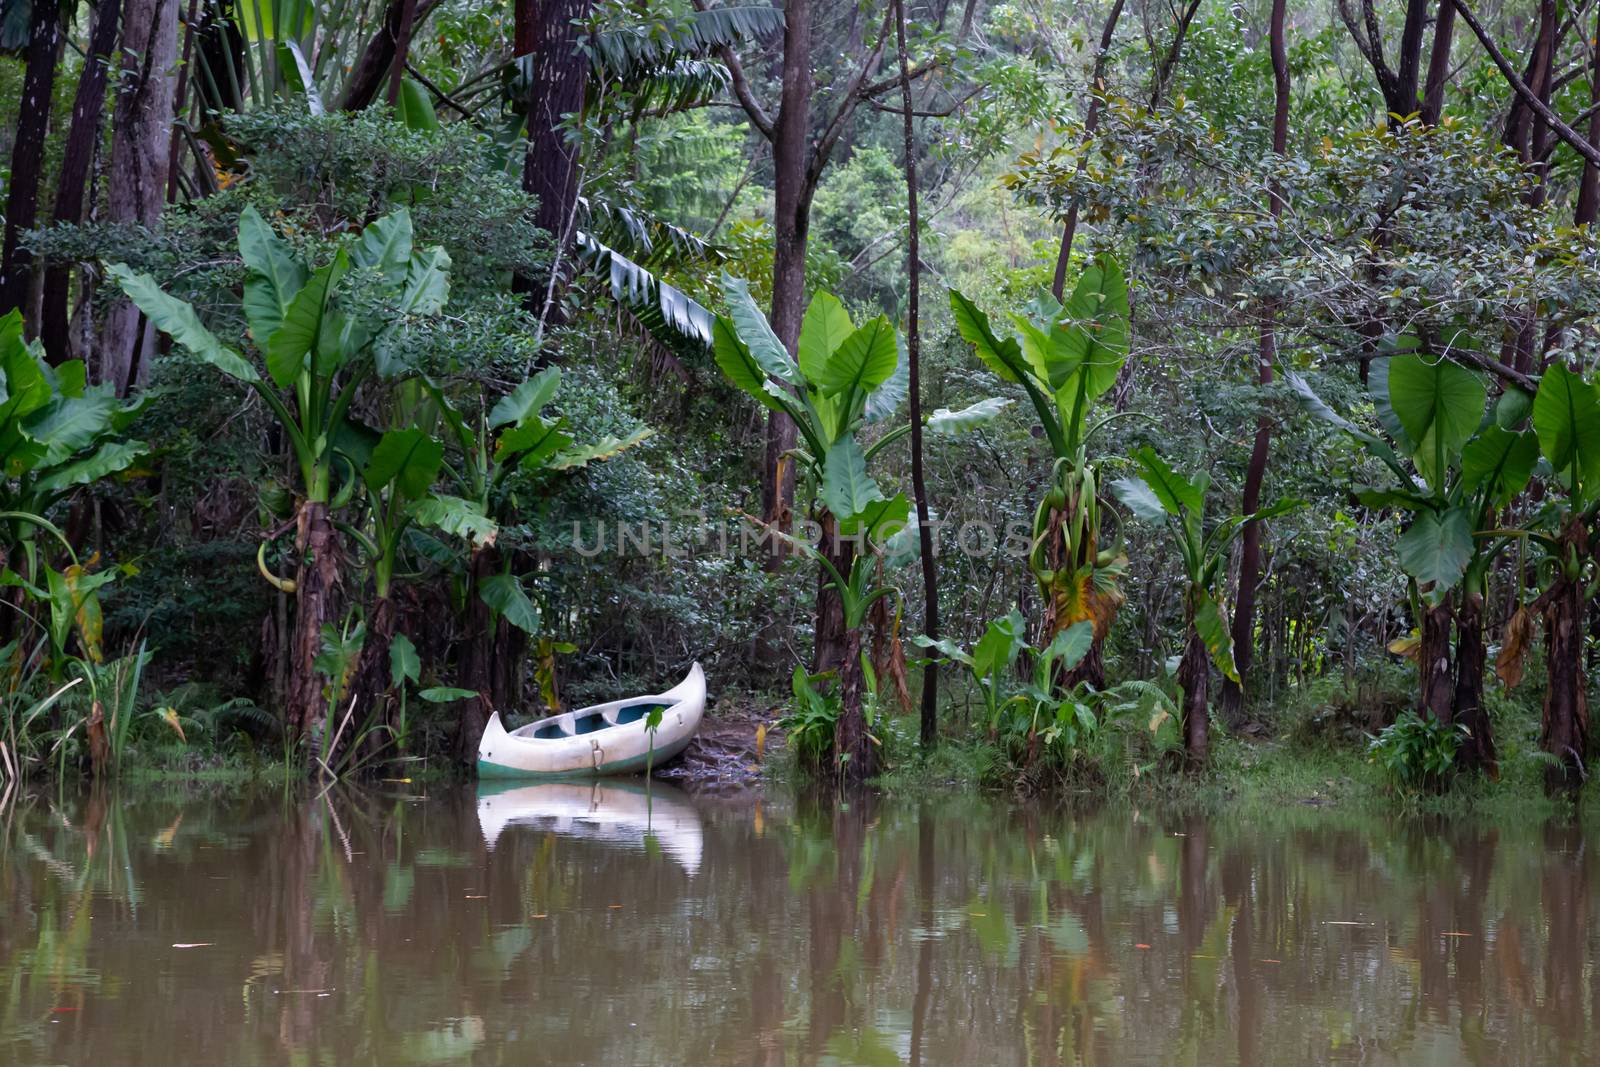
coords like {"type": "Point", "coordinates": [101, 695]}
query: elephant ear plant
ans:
{"type": "Point", "coordinates": [848, 381]}
{"type": "Point", "coordinates": [1161, 495]}
{"type": "Point", "coordinates": [1454, 466]}
{"type": "Point", "coordinates": [500, 456]}
{"type": "Point", "coordinates": [317, 334]}
{"type": "Point", "coordinates": [1065, 357]}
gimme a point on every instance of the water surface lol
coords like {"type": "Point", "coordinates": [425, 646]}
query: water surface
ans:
{"type": "Point", "coordinates": [598, 925]}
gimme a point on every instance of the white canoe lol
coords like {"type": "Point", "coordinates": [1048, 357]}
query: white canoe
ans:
{"type": "Point", "coordinates": [612, 738]}
{"type": "Point", "coordinates": [620, 814]}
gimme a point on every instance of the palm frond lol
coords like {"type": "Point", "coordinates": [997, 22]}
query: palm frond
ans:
{"type": "Point", "coordinates": [630, 51]}
{"type": "Point", "coordinates": [666, 311]}
{"type": "Point", "coordinates": [646, 237]}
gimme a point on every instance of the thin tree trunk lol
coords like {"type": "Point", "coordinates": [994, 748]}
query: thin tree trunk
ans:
{"type": "Point", "coordinates": [28, 150]}
{"type": "Point", "coordinates": [1444, 28]}
{"type": "Point", "coordinates": [1564, 727]}
{"type": "Point", "coordinates": [793, 189]}
{"type": "Point", "coordinates": [1091, 123]}
{"type": "Point", "coordinates": [1194, 671]}
{"type": "Point", "coordinates": [854, 753]}
{"type": "Point", "coordinates": [83, 138]}
{"type": "Point", "coordinates": [1478, 751]}
{"type": "Point", "coordinates": [919, 485]}
{"type": "Point", "coordinates": [137, 183]}
{"type": "Point", "coordinates": [831, 637]}
{"type": "Point", "coordinates": [376, 62]}
{"type": "Point", "coordinates": [1588, 209]}
{"type": "Point", "coordinates": [402, 49]}
{"type": "Point", "coordinates": [1437, 690]}
{"type": "Point", "coordinates": [316, 587]}
{"type": "Point", "coordinates": [1244, 612]}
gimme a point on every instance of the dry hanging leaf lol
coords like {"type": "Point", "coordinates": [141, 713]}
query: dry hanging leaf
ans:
{"type": "Point", "coordinates": [1514, 648]}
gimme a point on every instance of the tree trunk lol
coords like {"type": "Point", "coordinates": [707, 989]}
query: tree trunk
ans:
{"type": "Point", "coordinates": [929, 733]}
{"type": "Point", "coordinates": [829, 650]}
{"type": "Point", "coordinates": [1244, 611]}
{"type": "Point", "coordinates": [1588, 209]}
{"type": "Point", "coordinates": [137, 183]}
{"type": "Point", "coordinates": [83, 138]}
{"type": "Point", "coordinates": [402, 49]}
{"type": "Point", "coordinates": [316, 588]}
{"type": "Point", "coordinates": [475, 668]}
{"type": "Point", "coordinates": [377, 59]}
{"type": "Point", "coordinates": [371, 687]}
{"type": "Point", "coordinates": [1091, 123]}
{"type": "Point", "coordinates": [559, 72]}
{"type": "Point", "coordinates": [1194, 673]}
{"type": "Point", "coordinates": [1478, 751]}
{"type": "Point", "coordinates": [854, 753]}
{"type": "Point", "coordinates": [793, 186]}
{"type": "Point", "coordinates": [1564, 729]}
{"type": "Point", "coordinates": [28, 150]}
{"type": "Point", "coordinates": [1437, 691]}
{"type": "Point", "coordinates": [1444, 27]}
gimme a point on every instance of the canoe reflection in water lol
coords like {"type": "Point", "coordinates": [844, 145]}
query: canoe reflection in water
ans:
{"type": "Point", "coordinates": [612, 811]}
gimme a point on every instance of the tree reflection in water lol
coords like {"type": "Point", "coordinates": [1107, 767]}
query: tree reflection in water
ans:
{"type": "Point", "coordinates": [368, 927]}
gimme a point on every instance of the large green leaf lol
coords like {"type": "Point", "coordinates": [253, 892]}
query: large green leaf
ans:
{"type": "Point", "coordinates": [409, 458]}
{"type": "Point", "coordinates": [275, 275]}
{"type": "Point", "coordinates": [385, 246]}
{"type": "Point", "coordinates": [1173, 490]}
{"type": "Point", "coordinates": [108, 459]}
{"type": "Point", "coordinates": [1094, 341]}
{"type": "Point", "coordinates": [1499, 463]}
{"type": "Point", "coordinates": [847, 488]}
{"type": "Point", "coordinates": [68, 424]}
{"type": "Point", "coordinates": [415, 107]}
{"type": "Point", "coordinates": [404, 663]}
{"type": "Point", "coordinates": [603, 449]}
{"type": "Point", "coordinates": [1137, 496]}
{"type": "Point", "coordinates": [1069, 647]}
{"type": "Point", "coordinates": [756, 333]}
{"type": "Point", "coordinates": [1003, 356]}
{"type": "Point", "coordinates": [1439, 404]}
{"type": "Point", "coordinates": [529, 398]}
{"type": "Point", "coordinates": [877, 518]}
{"type": "Point", "coordinates": [1566, 416]}
{"type": "Point", "coordinates": [178, 320]}
{"type": "Point", "coordinates": [738, 365]}
{"type": "Point", "coordinates": [1436, 549]}
{"type": "Point", "coordinates": [504, 594]}
{"type": "Point", "coordinates": [1212, 626]}
{"type": "Point", "coordinates": [884, 401]}
{"type": "Point", "coordinates": [533, 441]}
{"type": "Point", "coordinates": [864, 361]}
{"type": "Point", "coordinates": [427, 288]}
{"type": "Point", "coordinates": [823, 330]}
{"type": "Point", "coordinates": [947, 423]}
{"type": "Point", "coordinates": [997, 649]}
{"type": "Point", "coordinates": [293, 341]}
{"type": "Point", "coordinates": [454, 516]}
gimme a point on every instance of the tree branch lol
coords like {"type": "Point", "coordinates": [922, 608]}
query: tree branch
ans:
{"type": "Point", "coordinates": [1576, 141]}
{"type": "Point", "coordinates": [741, 86]}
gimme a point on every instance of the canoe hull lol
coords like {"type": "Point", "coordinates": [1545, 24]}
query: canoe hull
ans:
{"type": "Point", "coordinates": [596, 741]}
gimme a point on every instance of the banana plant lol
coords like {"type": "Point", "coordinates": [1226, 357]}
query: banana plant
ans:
{"type": "Point", "coordinates": [1454, 468]}
{"type": "Point", "coordinates": [1065, 357]}
{"type": "Point", "coordinates": [312, 352]}
{"type": "Point", "coordinates": [1566, 421]}
{"type": "Point", "coordinates": [847, 381]}
{"type": "Point", "coordinates": [1161, 495]}
{"type": "Point", "coordinates": [501, 455]}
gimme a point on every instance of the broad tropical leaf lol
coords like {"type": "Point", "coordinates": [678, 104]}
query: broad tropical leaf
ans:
{"type": "Point", "coordinates": [865, 360]}
{"type": "Point", "coordinates": [947, 423]}
{"type": "Point", "coordinates": [1438, 404]}
{"type": "Point", "coordinates": [734, 358]}
{"type": "Point", "coordinates": [504, 594]}
{"type": "Point", "coordinates": [454, 516]}
{"type": "Point", "coordinates": [1566, 416]}
{"type": "Point", "coordinates": [1212, 626]}
{"type": "Point", "coordinates": [274, 277]}
{"type": "Point", "coordinates": [756, 333]}
{"type": "Point", "coordinates": [1436, 549]}
{"type": "Point", "coordinates": [529, 398]}
{"type": "Point", "coordinates": [847, 488]}
{"type": "Point", "coordinates": [1004, 357]}
{"type": "Point", "coordinates": [1175, 492]}
{"type": "Point", "coordinates": [603, 449]}
{"type": "Point", "coordinates": [534, 440]}
{"type": "Point", "coordinates": [293, 341]}
{"type": "Point", "coordinates": [409, 458]}
{"type": "Point", "coordinates": [877, 517]}
{"type": "Point", "coordinates": [1499, 462]}
{"type": "Point", "coordinates": [1137, 496]}
{"type": "Point", "coordinates": [824, 329]}
{"type": "Point", "coordinates": [177, 319]}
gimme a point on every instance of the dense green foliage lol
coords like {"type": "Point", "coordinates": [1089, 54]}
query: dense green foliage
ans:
{"type": "Point", "coordinates": [411, 423]}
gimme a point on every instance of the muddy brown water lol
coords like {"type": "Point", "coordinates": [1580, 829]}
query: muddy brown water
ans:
{"type": "Point", "coordinates": [601, 925]}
